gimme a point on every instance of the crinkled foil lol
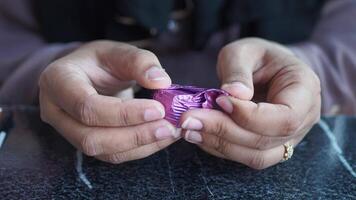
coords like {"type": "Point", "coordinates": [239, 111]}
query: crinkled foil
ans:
{"type": "Point", "coordinates": [177, 99]}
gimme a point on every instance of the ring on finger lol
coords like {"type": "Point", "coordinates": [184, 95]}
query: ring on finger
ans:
{"type": "Point", "coordinates": [288, 151]}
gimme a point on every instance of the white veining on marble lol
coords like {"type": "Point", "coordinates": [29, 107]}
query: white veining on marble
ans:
{"type": "Point", "coordinates": [79, 168]}
{"type": "Point", "coordinates": [169, 170]}
{"type": "Point", "coordinates": [203, 176]}
{"type": "Point", "coordinates": [336, 146]}
{"type": "Point", "coordinates": [2, 138]}
{"type": "Point", "coordinates": [306, 176]}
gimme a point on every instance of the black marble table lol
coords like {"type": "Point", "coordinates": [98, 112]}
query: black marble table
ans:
{"type": "Point", "coordinates": [37, 163]}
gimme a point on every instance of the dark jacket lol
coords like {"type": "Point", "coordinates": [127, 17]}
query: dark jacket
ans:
{"type": "Point", "coordinates": [284, 21]}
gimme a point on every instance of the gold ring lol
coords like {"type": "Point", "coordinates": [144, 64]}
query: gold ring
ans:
{"type": "Point", "coordinates": [288, 152]}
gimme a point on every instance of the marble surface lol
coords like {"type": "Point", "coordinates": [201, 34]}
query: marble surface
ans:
{"type": "Point", "coordinates": [37, 163]}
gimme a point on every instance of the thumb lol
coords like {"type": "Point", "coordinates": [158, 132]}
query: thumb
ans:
{"type": "Point", "coordinates": [235, 70]}
{"type": "Point", "coordinates": [127, 63]}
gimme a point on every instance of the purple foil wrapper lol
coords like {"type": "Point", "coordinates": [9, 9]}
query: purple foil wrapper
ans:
{"type": "Point", "coordinates": [177, 99]}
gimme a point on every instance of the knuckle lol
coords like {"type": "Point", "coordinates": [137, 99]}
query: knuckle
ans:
{"type": "Point", "coordinates": [262, 142]}
{"type": "Point", "coordinates": [89, 145]}
{"type": "Point", "coordinates": [116, 158]}
{"type": "Point", "coordinates": [123, 116]}
{"type": "Point", "coordinates": [220, 129]}
{"type": "Point", "coordinates": [140, 138]}
{"type": "Point", "coordinates": [290, 125]}
{"type": "Point", "coordinates": [257, 161]}
{"type": "Point", "coordinates": [85, 112]}
{"type": "Point", "coordinates": [221, 146]}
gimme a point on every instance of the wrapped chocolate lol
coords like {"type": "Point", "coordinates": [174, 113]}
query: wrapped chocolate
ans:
{"type": "Point", "coordinates": [177, 99]}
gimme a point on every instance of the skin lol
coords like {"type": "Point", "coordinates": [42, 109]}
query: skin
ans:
{"type": "Point", "coordinates": [76, 98]}
{"type": "Point", "coordinates": [275, 98]}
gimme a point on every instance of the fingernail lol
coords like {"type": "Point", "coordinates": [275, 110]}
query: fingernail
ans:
{"type": "Point", "coordinates": [225, 103]}
{"type": "Point", "coordinates": [193, 137]}
{"type": "Point", "coordinates": [166, 132]}
{"type": "Point", "coordinates": [238, 89]}
{"type": "Point", "coordinates": [151, 114]}
{"type": "Point", "coordinates": [156, 74]}
{"type": "Point", "coordinates": [192, 124]}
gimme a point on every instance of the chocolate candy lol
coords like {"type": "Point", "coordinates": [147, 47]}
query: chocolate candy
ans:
{"type": "Point", "coordinates": [177, 99]}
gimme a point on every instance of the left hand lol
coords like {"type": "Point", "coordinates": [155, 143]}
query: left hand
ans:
{"type": "Point", "coordinates": [275, 99]}
{"type": "Point", "coordinates": [77, 98]}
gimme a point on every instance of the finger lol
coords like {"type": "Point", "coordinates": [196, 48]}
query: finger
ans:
{"type": "Point", "coordinates": [128, 62]}
{"type": "Point", "coordinates": [110, 140]}
{"type": "Point", "coordinates": [138, 153]}
{"type": "Point", "coordinates": [99, 140]}
{"type": "Point", "coordinates": [213, 122]}
{"type": "Point", "coordinates": [310, 120]}
{"type": "Point", "coordinates": [212, 151]}
{"type": "Point", "coordinates": [283, 116]}
{"type": "Point", "coordinates": [236, 64]}
{"type": "Point", "coordinates": [292, 89]}
{"type": "Point", "coordinates": [257, 159]}
{"type": "Point", "coordinates": [215, 145]}
{"type": "Point", "coordinates": [83, 103]}
{"type": "Point", "coordinates": [98, 110]}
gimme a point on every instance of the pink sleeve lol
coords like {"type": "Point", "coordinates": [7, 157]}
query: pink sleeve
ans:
{"type": "Point", "coordinates": [23, 53]}
{"type": "Point", "coordinates": [331, 52]}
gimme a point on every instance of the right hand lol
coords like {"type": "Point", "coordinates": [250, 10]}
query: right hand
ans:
{"type": "Point", "coordinates": [76, 98]}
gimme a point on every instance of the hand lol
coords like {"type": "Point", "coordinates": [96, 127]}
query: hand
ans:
{"type": "Point", "coordinates": [276, 99]}
{"type": "Point", "coordinates": [76, 99]}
